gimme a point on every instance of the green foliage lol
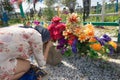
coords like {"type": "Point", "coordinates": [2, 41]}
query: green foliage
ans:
{"type": "Point", "coordinates": [93, 53]}
{"type": "Point", "coordinates": [92, 19]}
{"type": "Point", "coordinates": [14, 21]}
{"type": "Point", "coordinates": [49, 3]}
{"type": "Point", "coordinates": [49, 13]}
{"type": "Point", "coordinates": [63, 16]}
{"type": "Point", "coordinates": [67, 2]}
{"type": "Point", "coordinates": [82, 47]}
{"type": "Point", "coordinates": [111, 18]}
{"type": "Point", "coordinates": [68, 53]}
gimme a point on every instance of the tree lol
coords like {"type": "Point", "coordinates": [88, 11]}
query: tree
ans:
{"type": "Point", "coordinates": [70, 4]}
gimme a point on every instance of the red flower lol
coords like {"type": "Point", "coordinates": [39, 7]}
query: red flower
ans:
{"type": "Point", "coordinates": [71, 39]}
{"type": "Point", "coordinates": [56, 30]}
{"type": "Point", "coordinates": [61, 26]}
{"type": "Point", "coordinates": [56, 19]}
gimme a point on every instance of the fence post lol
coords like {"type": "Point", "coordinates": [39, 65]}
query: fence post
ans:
{"type": "Point", "coordinates": [118, 42]}
{"type": "Point", "coordinates": [119, 31]}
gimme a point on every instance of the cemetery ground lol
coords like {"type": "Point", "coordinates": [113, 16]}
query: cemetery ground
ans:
{"type": "Point", "coordinates": [86, 68]}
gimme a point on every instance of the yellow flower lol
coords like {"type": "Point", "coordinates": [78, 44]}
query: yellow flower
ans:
{"type": "Point", "coordinates": [96, 46]}
{"type": "Point", "coordinates": [113, 44]}
{"type": "Point", "coordinates": [45, 25]}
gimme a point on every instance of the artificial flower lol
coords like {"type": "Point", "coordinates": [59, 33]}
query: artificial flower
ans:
{"type": "Point", "coordinates": [71, 39]}
{"type": "Point", "coordinates": [71, 36]}
{"type": "Point", "coordinates": [77, 31]}
{"type": "Point", "coordinates": [36, 22]}
{"type": "Point", "coordinates": [106, 38]}
{"type": "Point", "coordinates": [74, 46]}
{"type": "Point", "coordinates": [73, 18]}
{"type": "Point", "coordinates": [92, 39]}
{"type": "Point", "coordinates": [56, 19]}
{"type": "Point", "coordinates": [61, 43]}
{"type": "Point", "coordinates": [90, 26]}
{"type": "Point", "coordinates": [96, 46]}
{"type": "Point", "coordinates": [100, 40]}
{"type": "Point", "coordinates": [56, 28]}
{"type": "Point", "coordinates": [111, 49]}
{"type": "Point", "coordinates": [82, 37]}
{"type": "Point", "coordinates": [113, 44]}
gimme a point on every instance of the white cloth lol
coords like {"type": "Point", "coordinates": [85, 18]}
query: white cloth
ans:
{"type": "Point", "coordinates": [18, 42]}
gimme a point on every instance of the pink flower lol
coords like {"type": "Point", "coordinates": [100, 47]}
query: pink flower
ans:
{"type": "Point", "coordinates": [36, 22]}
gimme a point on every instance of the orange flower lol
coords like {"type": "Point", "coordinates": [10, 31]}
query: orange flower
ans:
{"type": "Point", "coordinates": [77, 30]}
{"type": "Point", "coordinates": [96, 46]}
{"type": "Point", "coordinates": [82, 37]}
{"type": "Point", "coordinates": [73, 18]}
{"type": "Point", "coordinates": [90, 26]}
{"type": "Point", "coordinates": [113, 44]}
{"type": "Point", "coordinates": [90, 34]}
{"type": "Point", "coordinates": [92, 39]}
{"type": "Point", "coordinates": [89, 30]}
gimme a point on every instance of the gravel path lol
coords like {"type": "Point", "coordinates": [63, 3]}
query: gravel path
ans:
{"type": "Point", "coordinates": [84, 68]}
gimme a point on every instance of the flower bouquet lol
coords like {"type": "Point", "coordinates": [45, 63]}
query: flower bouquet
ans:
{"type": "Point", "coordinates": [74, 38]}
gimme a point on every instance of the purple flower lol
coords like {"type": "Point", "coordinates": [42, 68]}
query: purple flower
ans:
{"type": "Point", "coordinates": [60, 46]}
{"type": "Point", "coordinates": [63, 50]}
{"type": "Point", "coordinates": [74, 49]}
{"type": "Point", "coordinates": [74, 46]}
{"type": "Point", "coordinates": [106, 38]}
{"type": "Point", "coordinates": [111, 49]}
{"type": "Point", "coordinates": [61, 43]}
{"type": "Point", "coordinates": [100, 40]}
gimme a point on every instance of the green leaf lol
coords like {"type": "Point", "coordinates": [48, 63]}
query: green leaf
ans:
{"type": "Point", "coordinates": [107, 50]}
{"type": "Point", "coordinates": [68, 53]}
{"type": "Point", "coordinates": [93, 54]}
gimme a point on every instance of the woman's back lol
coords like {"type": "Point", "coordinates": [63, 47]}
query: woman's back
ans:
{"type": "Point", "coordinates": [18, 43]}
